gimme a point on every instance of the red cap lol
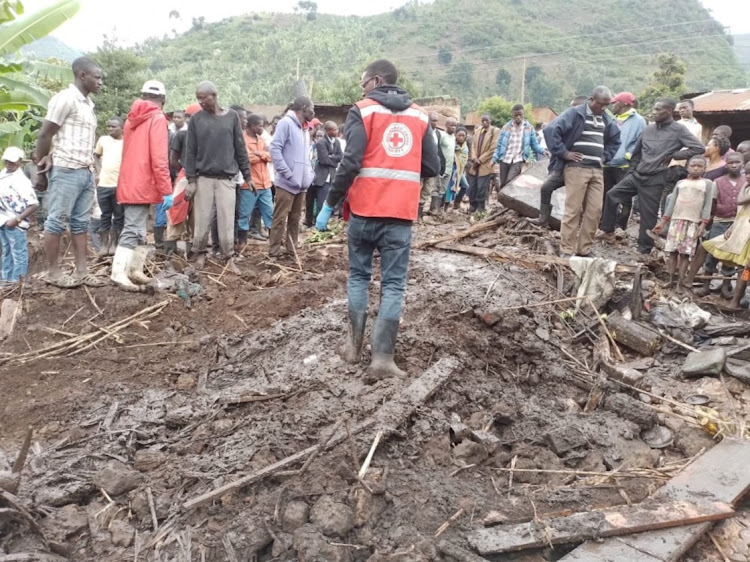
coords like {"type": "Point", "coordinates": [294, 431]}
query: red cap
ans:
{"type": "Point", "coordinates": [193, 108]}
{"type": "Point", "coordinates": [625, 97]}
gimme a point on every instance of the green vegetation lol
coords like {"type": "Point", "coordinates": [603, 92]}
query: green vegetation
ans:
{"type": "Point", "coordinates": [27, 85]}
{"type": "Point", "coordinates": [472, 49]}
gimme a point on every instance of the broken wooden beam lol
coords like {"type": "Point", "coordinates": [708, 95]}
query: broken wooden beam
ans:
{"type": "Point", "coordinates": [476, 229]}
{"type": "Point", "coordinates": [524, 209]}
{"type": "Point", "coordinates": [387, 419]}
{"type": "Point", "coordinates": [633, 335]}
{"type": "Point", "coordinates": [720, 473]}
{"type": "Point", "coordinates": [609, 522]}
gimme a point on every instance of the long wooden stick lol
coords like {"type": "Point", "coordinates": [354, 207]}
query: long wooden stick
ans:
{"type": "Point", "coordinates": [606, 330]}
{"type": "Point", "coordinates": [368, 459]}
{"type": "Point", "coordinates": [323, 445]}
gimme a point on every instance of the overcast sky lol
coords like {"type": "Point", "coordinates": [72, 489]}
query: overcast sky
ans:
{"type": "Point", "coordinates": [133, 21]}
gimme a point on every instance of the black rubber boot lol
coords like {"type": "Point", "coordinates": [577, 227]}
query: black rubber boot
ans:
{"type": "Point", "coordinates": [436, 204]}
{"type": "Point", "coordinates": [351, 351]}
{"type": "Point", "coordinates": [170, 247]}
{"type": "Point", "coordinates": [159, 237]}
{"type": "Point", "coordinates": [103, 244]}
{"type": "Point", "coordinates": [241, 238]}
{"type": "Point", "coordinates": [545, 211]}
{"type": "Point", "coordinates": [384, 336]}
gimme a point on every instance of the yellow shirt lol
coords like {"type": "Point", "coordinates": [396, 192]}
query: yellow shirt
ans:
{"type": "Point", "coordinates": [110, 151]}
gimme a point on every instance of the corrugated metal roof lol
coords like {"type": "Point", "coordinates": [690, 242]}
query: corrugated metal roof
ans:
{"type": "Point", "coordinates": [723, 100]}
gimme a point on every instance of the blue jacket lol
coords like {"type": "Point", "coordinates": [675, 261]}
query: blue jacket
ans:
{"type": "Point", "coordinates": [290, 153]}
{"type": "Point", "coordinates": [630, 131]}
{"type": "Point", "coordinates": [567, 128]}
{"type": "Point", "coordinates": [530, 142]}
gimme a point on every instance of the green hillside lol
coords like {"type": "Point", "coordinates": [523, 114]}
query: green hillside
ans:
{"type": "Point", "coordinates": [742, 50]}
{"type": "Point", "coordinates": [470, 49]}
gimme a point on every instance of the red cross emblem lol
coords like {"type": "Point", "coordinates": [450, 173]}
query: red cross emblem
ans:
{"type": "Point", "coordinates": [396, 140]}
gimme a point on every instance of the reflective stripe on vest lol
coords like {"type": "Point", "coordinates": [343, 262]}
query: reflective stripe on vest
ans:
{"type": "Point", "coordinates": [388, 183]}
{"type": "Point", "coordinates": [388, 174]}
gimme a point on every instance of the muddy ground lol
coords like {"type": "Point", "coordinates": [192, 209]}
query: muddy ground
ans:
{"type": "Point", "coordinates": [194, 398]}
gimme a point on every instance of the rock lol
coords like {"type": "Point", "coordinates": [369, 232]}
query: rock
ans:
{"type": "Point", "coordinates": [147, 459]}
{"type": "Point", "coordinates": [296, 514]}
{"type": "Point", "coordinates": [74, 491]}
{"type": "Point", "coordinates": [332, 518]}
{"type": "Point", "coordinates": [122, 533]}
{"type": "Point", "coordinates": [690, 440]}
{"type": "Point", "coordinates": [117, 479]}
{"type": "Point", "coordinates": [179, 417]}
{"type": "Point", "coordinates": [565, 439]}
{"type": "Point", "coordinates": [704, 362]}
{"type": "Point", "coordinates": [470, 452]}
{"type": "Point", "coordinates": [633, 452]}
{"type": "Point", "coordinates": [186, 382]}
{"type": "Point", "coordinates": [10, 481]}
{"type": "Point", "coordinates": [312, 546]}
{"type": "Point", "coordinates": [631, 409]}
{"type": "Point", "coordinates": [69, 519]}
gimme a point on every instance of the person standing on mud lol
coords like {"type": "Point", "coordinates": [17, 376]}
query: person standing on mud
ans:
{"type": "Point", "coordinates": [144, 181]}
{"type": "Point", "coordinates": [389, 147]}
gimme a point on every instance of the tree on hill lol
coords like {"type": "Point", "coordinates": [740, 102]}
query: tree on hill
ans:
{"type": "Point", "coordinates": [309, 9]}
{"type": "Point", "coordinates": [668, 82]}
{"type": "Point", "coordinates": [124, 74]}
{"type": "Point", "coordinates": [500, 110]}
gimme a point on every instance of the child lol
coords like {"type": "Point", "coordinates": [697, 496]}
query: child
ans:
{"type": "Point", "coordinates": [688, 212]}
{"type": "Point", "coordinates": [17, 203]}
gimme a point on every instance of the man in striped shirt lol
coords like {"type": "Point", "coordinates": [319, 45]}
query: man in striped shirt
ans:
{"type": "Point", "coordinates": [583, 139]}
{"type": "Point", "coordinates": [71, 124]}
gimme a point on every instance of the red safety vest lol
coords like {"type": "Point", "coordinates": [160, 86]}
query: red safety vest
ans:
{"type": "Point", "coordinates": [388, 183]}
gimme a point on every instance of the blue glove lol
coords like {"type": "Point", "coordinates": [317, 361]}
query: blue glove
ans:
{"type": "Point", "coordinates": [167, 202]}
{"type": "Point", "coordinates": [321, 223]}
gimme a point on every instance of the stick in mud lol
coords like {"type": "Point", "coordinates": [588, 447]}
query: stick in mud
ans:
{"type": "Point", "coordinates": [368, 459]}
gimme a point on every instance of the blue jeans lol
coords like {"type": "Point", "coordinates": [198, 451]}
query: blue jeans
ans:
{"type": "Point", "coordinates": [248, 202]}
{"type": "Point", "coordinates": [15, 253]}
{"type": "Point", "coordinates": [71, 200]}
{"type": "Point", "coordinates": [160, 216]}
{"type": "Point", "coordinates": [393, 241]}
{"type": "Point", "coordinates": [717, 229]}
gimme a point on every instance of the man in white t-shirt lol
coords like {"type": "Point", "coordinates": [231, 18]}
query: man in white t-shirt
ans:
{"type": "Point", "coordinates": [108, 154]}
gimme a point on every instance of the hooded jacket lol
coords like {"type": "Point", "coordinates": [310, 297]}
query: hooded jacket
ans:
{"type": "Point", "coordinates": [395, 99]}
{"type": "Point", "coordinates": [290, 154]}
{"type": "Point", "coordinates": [144, 173]}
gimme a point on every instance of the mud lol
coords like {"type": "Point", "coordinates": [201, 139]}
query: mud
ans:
{"type": "Point", "coordinates": [124, 435]}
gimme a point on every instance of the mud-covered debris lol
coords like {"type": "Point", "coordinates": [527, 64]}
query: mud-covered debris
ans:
{"type": "Point", "coordinates": [122, 533]}
{"type": "Point", "coordinates": [631, 409]}
{"type": "Point", "coordinates": [296, 514]}
{"type": "Point", "coordinates": [68, 520]}
{"type": "Point", "coordinates": [117, 479]}
{"type": "Point", "coordinates": [332, 518]}
{"type": "Point", "coordinates": [565, 438]}
{"type": "Point", "coordinates": [700, 363]}
{"type": "Point", "coordinates": [148, 459]}
{"type": "Point", "coordinates": [186, 382]}
{"type": "Point", "coordinates": [312, 546]}
{"type": "Point", "coordinates": [470, 452]}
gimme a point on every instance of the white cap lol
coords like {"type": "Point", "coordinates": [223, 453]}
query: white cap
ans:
{"type": "Point", "coordinates": [13, 154]}
{"type": "Point", "coordinates": [154, 87]}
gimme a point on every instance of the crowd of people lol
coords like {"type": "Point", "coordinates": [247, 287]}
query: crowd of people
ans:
{"type": "Point", "coordinates": [220, 175]}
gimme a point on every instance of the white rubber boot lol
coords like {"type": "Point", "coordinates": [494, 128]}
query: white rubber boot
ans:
{"type": "Point", "coordinates": [120, 265]}
{"type": "Point", "coordinates": [136, 264]}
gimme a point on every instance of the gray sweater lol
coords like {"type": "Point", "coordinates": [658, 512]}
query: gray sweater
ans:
{"type": "Point", "coordinates": [660, 143]}
{"type": "Point", "coordinates": [216, 147]}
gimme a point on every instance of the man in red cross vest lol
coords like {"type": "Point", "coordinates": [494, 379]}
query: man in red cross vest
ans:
{"type": "Point", "coordinates": [389, 148]}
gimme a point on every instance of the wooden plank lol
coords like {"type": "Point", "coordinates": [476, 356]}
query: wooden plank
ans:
{"type": "Point", "coordinates": [721, 473]}
{"type": "Point", "coordinates": [9, 311]}
{"type": "Point", "coordinates": [387, 419]}
{"type": "Point", "coordinates": [609, 522]}
{"type": "Point", "coordinates": [633, 335]}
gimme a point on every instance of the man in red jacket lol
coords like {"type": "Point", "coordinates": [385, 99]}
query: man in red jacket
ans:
{"type": "Point", "coordinates": [144, 181]}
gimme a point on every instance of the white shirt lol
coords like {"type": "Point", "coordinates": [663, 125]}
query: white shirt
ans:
{"type": "Point", "coordinates": [16, 195]}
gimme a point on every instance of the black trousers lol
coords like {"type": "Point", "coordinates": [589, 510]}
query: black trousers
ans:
{"type": "Point", "coordinates": [553, 182]}
{"type": "Point", "coordinates": [613, 176]}
{"type": "Point", "coordinates": [509, 172]}
{"type": "Point", "coordinates": [649, 190]}
{"type": "Point", "coordinates": [113, 215]}
{"type": "Point", "coordinates": [478, 192]}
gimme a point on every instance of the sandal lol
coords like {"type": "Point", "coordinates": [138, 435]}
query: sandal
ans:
{"type": "Point", "coordinates": [65, 282]}
{"type": "Point", "coordinates": [91, 281]}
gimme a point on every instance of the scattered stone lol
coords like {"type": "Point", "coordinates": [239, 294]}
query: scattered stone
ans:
{"type": "Point", "coordinates": [75, 491]}
{"type": "Point", "coordinates": [332, 518]}
{"type": "Point", "coordinates": [296, 514]}
{"type": "Point", "coordinates": [186, 382]}
{"type": "Point", "coordinates": [565, 439]}
{"type": "Point", "coordinates": [470, 452]}
{"type": "Point", "coordinates": [542, 333]}
{"type": "Point", "coordinates": [704, 362]}
{"type": "Point", "coordinates": [122, 533]}
{"type": "Point", "coordinates": [691, 440]}
{"type": "Point", "coordinates": [10, 481]}
{"type": "Point", "coordinates": [117, 479]}
{"type": "Point", "coordinates": [179, 417]}
{"type": "Point", "coordinates": [312, 546]}
{"type": "Point", "coordinates": [69, 519]}
{"type": "Point", "coordinates": [147, 459]}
